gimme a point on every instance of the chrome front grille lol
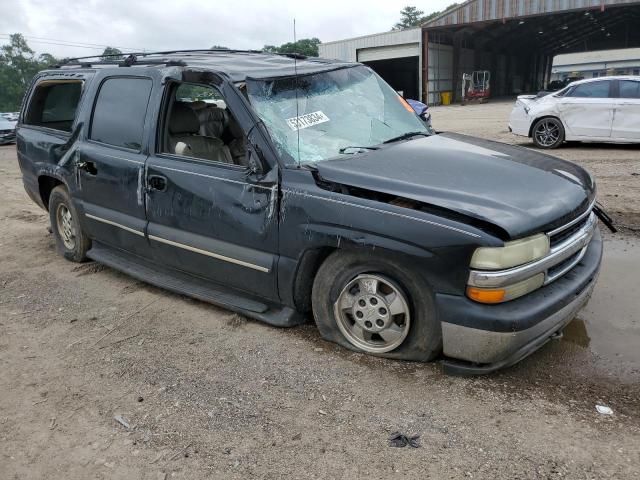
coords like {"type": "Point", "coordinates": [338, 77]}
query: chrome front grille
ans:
{"type": "Point", "coordinates": [559, 235]}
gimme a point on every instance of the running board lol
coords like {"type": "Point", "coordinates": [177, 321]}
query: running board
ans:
{"type": "Point", "coordinates": [189, 285]}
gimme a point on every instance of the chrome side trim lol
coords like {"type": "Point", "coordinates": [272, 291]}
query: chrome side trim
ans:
{"type": "Point", "coordinates": [209, 254]}
{"type": "Point", "coordinates": [115, 224]}
{"type": "Point", "coordinates": [572, 222]}
{"type": "Point", "coordinates": [500, 278]}
{"type": "Point", "coordinates": [373, 209]}
{"type": "Point", "coordinates": [223, 179]}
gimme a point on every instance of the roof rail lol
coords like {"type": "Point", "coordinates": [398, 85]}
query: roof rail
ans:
{"type": "Point", "coordinates": [137, 56]}
{"type": "Point", "coordinates": [146, 58]}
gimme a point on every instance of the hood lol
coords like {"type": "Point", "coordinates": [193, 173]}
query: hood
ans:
{"type": "Point", "coordinates": [520, 191]}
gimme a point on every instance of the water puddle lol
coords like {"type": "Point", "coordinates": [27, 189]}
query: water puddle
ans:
{"type": "Point", "coordinates": [609, 326]}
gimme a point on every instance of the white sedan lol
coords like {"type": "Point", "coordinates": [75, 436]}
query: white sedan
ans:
{"type": "Point", "coordinates": [604, 109]}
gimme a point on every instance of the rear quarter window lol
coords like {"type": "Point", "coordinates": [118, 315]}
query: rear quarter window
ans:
{"type": "Point", "coordinates": [54, 104]}
{"type": "Point", "coordinates": [119, 112]}
{"type": "Point", "coordinates": [629, 89]}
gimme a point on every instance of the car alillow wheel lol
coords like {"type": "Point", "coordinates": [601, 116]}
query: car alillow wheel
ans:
{"type": "Point", "coordinates": [548, 133]}
{"type": "Point", "coordinates": [71, 241]}
{"type": "Point", "coordinates": [375, 304]}
{"type": "Point", "coordinates": [373, 313]}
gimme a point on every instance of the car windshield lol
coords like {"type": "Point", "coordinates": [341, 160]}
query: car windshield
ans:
{"type": "Point", "coordinates": [316, 117]}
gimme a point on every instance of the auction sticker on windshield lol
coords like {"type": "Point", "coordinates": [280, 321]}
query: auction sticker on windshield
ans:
{"type": "Point", "coordinates": [308, 120]}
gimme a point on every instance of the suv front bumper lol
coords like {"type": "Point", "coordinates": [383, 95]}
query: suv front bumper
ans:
{"type": "Point", "coordinates": [482, 338]}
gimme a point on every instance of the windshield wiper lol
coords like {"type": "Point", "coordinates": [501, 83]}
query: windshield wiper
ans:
{"type": "Point", "coordinates": [344, 149]}
{"type": "Point", "coordinates": [405, 136]}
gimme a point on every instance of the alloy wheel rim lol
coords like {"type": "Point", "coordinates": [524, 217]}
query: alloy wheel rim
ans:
{"type": "Point", "coordinates": [547, 133]}
{"type": "Point", "coordinates": [66, 228]}
{"type": "Point", "coordinates": [373, 314]}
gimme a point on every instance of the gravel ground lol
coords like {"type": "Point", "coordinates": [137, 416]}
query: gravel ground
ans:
{"type": "Point", "coordinates": [208, 394]}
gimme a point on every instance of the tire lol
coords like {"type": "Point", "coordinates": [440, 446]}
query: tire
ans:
{"type": "Point", "coordinates": [548, 133]}
{"type": "Point", "coordinates": [72, 243]}
{"type": "Point", "coordinates": [420, 337]}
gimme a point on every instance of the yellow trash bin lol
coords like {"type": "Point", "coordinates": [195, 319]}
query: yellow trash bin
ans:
{"type": "Point", "coordinates": [446, 98]}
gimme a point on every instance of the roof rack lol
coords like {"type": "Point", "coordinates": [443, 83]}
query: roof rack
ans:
{"type": "Point", "coordinates": [139, 58]}
{"type": "Point", "coordinates": [142, 58]}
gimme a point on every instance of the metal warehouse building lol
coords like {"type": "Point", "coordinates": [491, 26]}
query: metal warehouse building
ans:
{"type": "Point", "coordinates": [625, 61]}
{"type": "Point", "coordinates": [515, 40]}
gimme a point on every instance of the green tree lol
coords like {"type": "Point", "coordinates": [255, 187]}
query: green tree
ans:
{"type": "Point", "coordinates": [18, 65]}
{"type": "Point", "coordinates": [111, 54]}
{"type": "Point", "coordinates": [304, 46]}
{"type": "Point", "coordinates": [409, 17]}
{"type": "Point", "coordinates": [436, 13]}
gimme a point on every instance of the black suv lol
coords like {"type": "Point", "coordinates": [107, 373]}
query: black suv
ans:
{"type": "Point", "coordinates": [278, 185]}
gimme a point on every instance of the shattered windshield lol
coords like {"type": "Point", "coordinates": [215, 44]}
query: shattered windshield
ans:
{"type": "Point", "coordinates": [349, 107]}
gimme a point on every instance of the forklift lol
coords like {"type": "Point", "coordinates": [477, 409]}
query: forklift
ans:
{"type": "Point", "coordinates": [476, 86]}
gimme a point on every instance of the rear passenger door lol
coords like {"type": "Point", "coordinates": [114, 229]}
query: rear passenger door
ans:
{"type": "Point", "coordinates": [111, 160]}
{"type": "Point", "coordinates": [209, 214]}
{"type": "Point", "coordinates": [587, 110]}
{"type": "Point", "coordinates": [626, 120]}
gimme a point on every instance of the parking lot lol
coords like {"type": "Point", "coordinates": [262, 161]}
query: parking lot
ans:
{"type": "Point", "coordinates": [204, 393]}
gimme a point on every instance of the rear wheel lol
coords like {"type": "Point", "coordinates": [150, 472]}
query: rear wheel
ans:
{"type": "Point", "coordinates": [71, 241]}
{"type": "Point", "coordinates": [548, 133]}
{"type": "Point", "coordinates": [375, 305]}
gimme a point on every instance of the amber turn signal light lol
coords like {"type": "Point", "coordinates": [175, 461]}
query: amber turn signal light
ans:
{"type": "Point", "coordinates": [484, 295]}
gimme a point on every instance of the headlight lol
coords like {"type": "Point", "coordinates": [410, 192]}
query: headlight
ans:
{"type": "Point", "coordinates": [512, 254]}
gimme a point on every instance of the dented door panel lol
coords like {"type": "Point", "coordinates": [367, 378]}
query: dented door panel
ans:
{"type": "Point", "coordinates": [215, 222]}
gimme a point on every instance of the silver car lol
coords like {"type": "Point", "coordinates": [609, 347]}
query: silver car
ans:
{"type": "Point", "coordinates": [7, 131]}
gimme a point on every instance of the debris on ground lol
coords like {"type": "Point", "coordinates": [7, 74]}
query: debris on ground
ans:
{"type": "Point", "coordinates": [604, 410]}
{"type": "Point", "coordinates": [122, 421]}
{"type": "Point", "coordinates": [400, 440]}
{"type": "Point", "coordinates": [183, 452]}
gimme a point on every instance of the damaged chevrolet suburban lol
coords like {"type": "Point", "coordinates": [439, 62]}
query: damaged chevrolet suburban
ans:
{"type": "Point", "coordinates": [280, 185]}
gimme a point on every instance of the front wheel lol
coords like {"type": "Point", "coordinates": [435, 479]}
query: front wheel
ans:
{"type": "Point", "coordinates": [377, 306]}
{"type": "Point", "coordinates": [548, 133]}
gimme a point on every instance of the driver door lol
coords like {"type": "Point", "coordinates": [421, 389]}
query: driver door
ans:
{"type": "Point", "coordinates": [209, 214]}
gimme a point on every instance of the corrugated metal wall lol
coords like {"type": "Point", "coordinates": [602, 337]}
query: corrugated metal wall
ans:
{"type": "Point", "coordinates": [487, 10]}
{"type": "Point", "coordinates": [387, 45]}
{"type": "Point", "coordinates": [348, 49]}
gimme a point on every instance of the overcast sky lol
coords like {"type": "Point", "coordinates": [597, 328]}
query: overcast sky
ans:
{"type": "Point", "coordinates": [171, 24]}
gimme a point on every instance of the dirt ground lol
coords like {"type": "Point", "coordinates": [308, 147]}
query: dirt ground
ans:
{"type": "Point", "coordinates": [208, 394]}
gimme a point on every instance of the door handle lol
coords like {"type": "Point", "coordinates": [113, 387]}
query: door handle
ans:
{"type": "Point", "coordinates": [88, 167]}
{"type": "Point", "coordinates": [156, 183]}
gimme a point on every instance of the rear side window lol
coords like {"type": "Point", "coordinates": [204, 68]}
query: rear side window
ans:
{"type": "Point", "coordinates": [119, 112]}
{"type": "Point", "coordinates": [629, 89]}
{"type": "Point", "coordinates": [591, 90]}
{"type": "Point", "coordinates": [54, 104]}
